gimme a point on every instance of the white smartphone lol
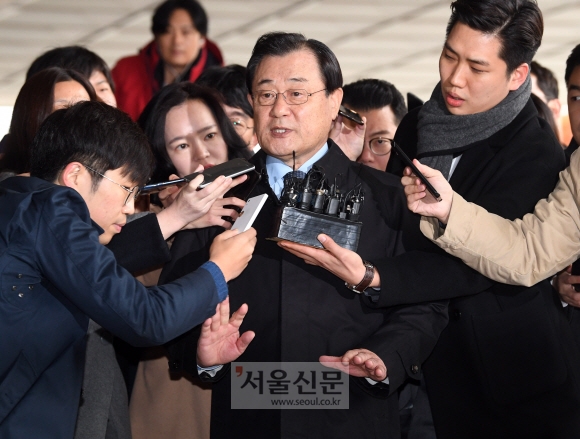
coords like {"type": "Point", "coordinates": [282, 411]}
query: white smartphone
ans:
{"type": "Point", "coordinates": [249, 213]}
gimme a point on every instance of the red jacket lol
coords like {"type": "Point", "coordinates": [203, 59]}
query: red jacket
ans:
{"type": "Point", "coordinates": [134, 79]}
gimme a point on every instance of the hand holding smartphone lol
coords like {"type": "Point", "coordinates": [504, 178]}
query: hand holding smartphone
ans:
{"type": "Point", "coordinates": [350, 114]}
{"type": "Point", "coordinates": [408, 162]}
{"type": "Point", "coordinates": [249, 213]}
{"type": "Point", "coordinates": [232, 168]}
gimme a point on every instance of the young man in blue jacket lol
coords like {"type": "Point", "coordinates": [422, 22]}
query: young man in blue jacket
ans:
{"type": "Point", "coordinates": [55, 274]}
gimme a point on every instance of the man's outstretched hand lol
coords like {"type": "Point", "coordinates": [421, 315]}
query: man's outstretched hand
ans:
{"type": "Point", "coordinates": [220, 341]}
{"type": "Point", "coordinates": [359, 363]}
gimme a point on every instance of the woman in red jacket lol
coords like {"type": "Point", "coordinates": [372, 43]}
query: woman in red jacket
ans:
{"type": "Point", "coordinates": [179, 52]}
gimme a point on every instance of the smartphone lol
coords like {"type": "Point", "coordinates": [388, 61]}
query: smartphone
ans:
{"type": "Point", "coordinates": [243, 190]}
{"type": "Point", "coordinates": [410, 164]}
{"type": "Point", "coordinates": [249, 213]}
{"type": "Point", "coordinates": [232, 168]}
{"type": "Point", "coordinates": [350, 114]}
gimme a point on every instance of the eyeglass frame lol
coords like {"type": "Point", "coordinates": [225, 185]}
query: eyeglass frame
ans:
{"type": "Point", "coordinates": [135, 189]}
{"type": "Point", "coordinates": [256, 98]}
{"type": "Point", "coordinates": [240, 122]}
{"type": "Point", "coordinates": [380, 138]}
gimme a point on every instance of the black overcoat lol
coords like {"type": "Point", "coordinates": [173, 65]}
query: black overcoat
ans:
{"type": "Point", "coordinates": [300, 312]}
{"type": "Point", "coordinates": [506, 366]}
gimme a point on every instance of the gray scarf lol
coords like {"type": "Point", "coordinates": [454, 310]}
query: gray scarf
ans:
{"type": "Point", "coordinates": [442, 134]}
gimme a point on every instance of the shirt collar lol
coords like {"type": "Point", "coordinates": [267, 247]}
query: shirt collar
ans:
{"type": "Point", "coordinates": [277, 169]}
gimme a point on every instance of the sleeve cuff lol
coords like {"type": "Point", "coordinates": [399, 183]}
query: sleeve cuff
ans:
{"type": "Point", "coordinates": [218, 277]}
{"type": "Point", "coordinates": [373, 382]}
{"type": "Point", "coordinates": [211, 371]}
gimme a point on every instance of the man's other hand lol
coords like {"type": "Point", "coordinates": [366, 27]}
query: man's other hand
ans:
{"type": "Point", "coordinates": [359, 363]}
{"type": "Point", "coordinates": [220, 341]}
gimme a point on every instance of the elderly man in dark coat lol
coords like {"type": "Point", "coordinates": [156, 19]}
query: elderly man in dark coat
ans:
{"type": "Point", "coordinates": [302, 312]}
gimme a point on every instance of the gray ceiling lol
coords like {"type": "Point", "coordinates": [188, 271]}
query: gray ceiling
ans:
{"type": "Point", "coordinates": [396, 40]}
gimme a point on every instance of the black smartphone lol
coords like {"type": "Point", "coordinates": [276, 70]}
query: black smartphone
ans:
{"type": "Point", "coordinates": [350, 114]}
{"type": "Point", "coordinates": [242, 191]}
{"type": "Point", "coordinates": [576, 272]}
{"type": "Point", "coordinates": [232, 168]}
{"type": "Point", "coordinates": [420, 176]}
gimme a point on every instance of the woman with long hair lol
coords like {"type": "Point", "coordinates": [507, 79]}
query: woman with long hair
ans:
{"type": "Point", "coordinates": [43, 93]}
{"type": "Point", "coordinates": [187, 129]}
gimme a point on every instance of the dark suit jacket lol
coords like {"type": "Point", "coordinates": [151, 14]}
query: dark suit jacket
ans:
{"type": "Point", "coordinates": [54, 275]}
{"type": "Point", "coordinates": [300, 312]}
{"type": "Point", "coordinates": [506, 365]}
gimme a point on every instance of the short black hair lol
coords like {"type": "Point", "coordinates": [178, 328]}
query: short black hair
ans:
{"type": "Point", "coordinates": [517, 23]}
{"type": "Point", "coordinates": [76, 58]}
{"type": "Point", "coordinates": [163, 12]}
{"type": "Point", "coordinates": [373, 94]}
{"type": "Point", "coordinates": [283, 43]}
{"type": "Point", "coordinates": [96, 135]}
{"type": "Point", "coordinates": [572, 62]}
{"type": "Point", "coordinates": [152, 121]}
{"type": "Point", "coordinates": [546, 80]}
{"type": "Point", "coordinates": [230, 82]}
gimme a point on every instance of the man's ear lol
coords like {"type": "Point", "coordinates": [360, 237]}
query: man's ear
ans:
{"type": "Point", "coordinates": [335, 100]}
{"type": "Point", "coordinates": [74, 175]}
{"type": "Point", "coordinates": [519, 75]}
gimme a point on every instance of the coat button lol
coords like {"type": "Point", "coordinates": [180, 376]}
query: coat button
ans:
{"type": "Point", "coordinates": [13, 287]}
{"type": "Point", "coordinates": [174, 365]}
{"type": "Point", "coordinates": [30, 287]}
{"type": "Point", "coordinates": [20, 294]}
{"type": "Point", "coordinates": [19, 276]}
{"type": "Point", "coordinates": [415, 368]}
{"type": "Point", "coordinates": [456, 314]}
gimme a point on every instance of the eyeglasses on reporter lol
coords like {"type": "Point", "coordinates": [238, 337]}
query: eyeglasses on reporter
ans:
{"type": "Point", "coordinates": [380, 145]}
{"type": "Point", "coordinates": [296, 96]}
{"type": "Point", "coordinates": [239, 125]}
{"type": "Point", "coordinates": [132, 192]}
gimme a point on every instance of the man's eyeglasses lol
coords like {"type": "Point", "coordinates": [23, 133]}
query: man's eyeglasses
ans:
{"type": "Point", "coordinates": [292, 97]}
{"type": "Point", "coordinates": [380, 145]}
{"type": "Point", "coordinates": [133, 192]}
{"type": "Point", "coordinates": [240, 126]}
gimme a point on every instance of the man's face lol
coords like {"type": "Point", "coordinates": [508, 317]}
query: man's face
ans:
{"type": "Point", "coordinates": [243, 124]}
{"type": "Point", "coordinates": [381, 123]}
{"type": "Point", "coordinates": [473, 77]}
{"type": "Point", "coordinates": [182, 42]}
{"type": "Point", "coordinates": [574, 103]}
{"type": "Point", "coordinates": [106, 203]}
{"type": "Point", "coordinates": [102, 88]}
{"type": "Point", "coordinates": [283, 128]}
